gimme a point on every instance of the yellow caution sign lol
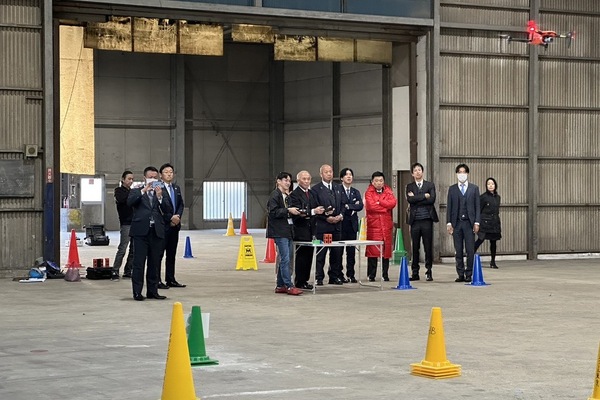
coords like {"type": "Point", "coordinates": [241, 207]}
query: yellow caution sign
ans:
{"type": "Point", "coordinates": [246, 255]}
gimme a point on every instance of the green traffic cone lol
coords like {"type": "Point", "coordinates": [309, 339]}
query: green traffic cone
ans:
{"type": "Point", "coordinates": [196, 340]}
{"type": "Point", "coordinates": [399, 250]}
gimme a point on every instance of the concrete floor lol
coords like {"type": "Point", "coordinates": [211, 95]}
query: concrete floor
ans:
{"type": "Point", "coordinates": [532, 334]}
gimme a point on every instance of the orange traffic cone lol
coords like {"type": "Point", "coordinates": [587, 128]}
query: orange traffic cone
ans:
{"type": "Point", "coordinates": [435, 365]}
{"type": "Point", "coordinates": [243, 228]}
{"type": "Point", "coordinates": [73, 260]}
{"type": "Point", "coordinates": [270, 253]}
{"type": "Point", "coordinates": [179, 382]}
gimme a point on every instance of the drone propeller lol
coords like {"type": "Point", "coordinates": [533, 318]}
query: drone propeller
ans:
{"type": "Point", "coordinates": [570, 37]}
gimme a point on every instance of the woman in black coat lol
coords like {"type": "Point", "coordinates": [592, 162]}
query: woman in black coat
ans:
{"type": "Point", "coordinates": [490, 228]}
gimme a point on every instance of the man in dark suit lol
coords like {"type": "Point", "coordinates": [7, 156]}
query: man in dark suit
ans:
{"type": "Point", "coordinates": [351, 203]}
{"type": "Point", "coordinates": [328, 195]}
{"type": "Point", "coordinates": [420, 195]}
{"type": "Point", "coordinates": [462, 217]}
{"type": "Point", "coordinates": [303, 230]}
{"type": "Point", "coordinates": [172, 227]}
{"type": "Point", "coordinates": [148, 233]}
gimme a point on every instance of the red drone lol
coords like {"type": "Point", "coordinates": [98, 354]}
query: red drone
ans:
{"type": "Point", "coordinates": [538, 37]}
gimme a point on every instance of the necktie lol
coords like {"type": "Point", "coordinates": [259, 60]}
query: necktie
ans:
{"type": "Point", "coordinates": [462, 188]}
{"type": "Point", "coordinates": [329, 186]}
{"type": "Point", "coordinates": [348, 193]}
{"type": "Point", "coordinates": [172, 194]}
{"type": "Point", "coordinates": [307, 195]}
{"type": "Point", "coordinates": [151, 196]}
{"type": "Point", "coordinates": [419, 184]}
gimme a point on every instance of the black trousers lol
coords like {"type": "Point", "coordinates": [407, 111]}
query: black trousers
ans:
{"type": "Point", "coordinates": [302, 265]}
{"type": "Point", "coordinates": [348, 233]}
{"type": "Point", "coordinates": [372, 267]}
{"type": "Point", "coordinates": [479, 242]}
{"type": "Point", "coordinates": [335, 259]}
{"type": "Point", "coordinates": [171, 242]}
{"type": "Point", "coordinates": [421, 229]}
{"type": "Point", "coordinates": [148, 250]}
{"type": "Point", "coordinates": [463, 236]}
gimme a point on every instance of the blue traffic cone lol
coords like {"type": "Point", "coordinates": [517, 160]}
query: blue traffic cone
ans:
{"type": "Point", "coordinates": [477, 273]}
{"type": "Point", "coordinates": [404, 281]}
{"type": "Point", "coordinates": [188, 248]}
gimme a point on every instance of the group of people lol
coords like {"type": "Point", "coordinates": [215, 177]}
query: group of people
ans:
{"type": "Point", "coordinates": [150, 221]}
{"type": "Point", "coordinates": [468, 213]}
{"type": "Point", "coordinates": [308, 213]}
{"type": "Point", "coordinates": [327, 208]}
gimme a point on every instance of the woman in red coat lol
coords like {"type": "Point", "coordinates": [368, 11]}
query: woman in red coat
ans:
{"type": "Point", "coordinates": [379, 203]}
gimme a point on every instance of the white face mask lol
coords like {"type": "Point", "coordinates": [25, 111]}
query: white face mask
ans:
{"type": "Point", "coordinates": [462, 178]}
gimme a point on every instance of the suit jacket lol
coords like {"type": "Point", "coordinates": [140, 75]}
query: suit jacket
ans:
{"type": "Point", "coordinates": [143, 211]}
{"type": "Point", "coordinates": [322, 196]}
{"type": "Point", "coordinates": [351, 206]}
{"type": "Point", "coordinates": [302, 223]}
{"type": "Point", "coordinates": [177, 208]}
{"type": "Point", "coordinates": [473, 208]}
{"type": "Point", "coordinates": [419, 200]}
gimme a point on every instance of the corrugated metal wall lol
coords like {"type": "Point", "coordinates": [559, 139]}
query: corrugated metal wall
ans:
{"type": "Point", "coordinates": [309, 118]}
{"type": "Point", "coordinates": [21, 118]}
{"type": "Point", "coordinates": [485, 118]}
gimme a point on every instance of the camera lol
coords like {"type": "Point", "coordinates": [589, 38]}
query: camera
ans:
{"type": "Point", "coordinates": [304, 211]}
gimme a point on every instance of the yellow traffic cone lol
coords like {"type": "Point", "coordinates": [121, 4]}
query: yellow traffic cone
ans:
{"type": "Point", "coordinates": [179, 382]}
{"type": "Point", "coordinates": [362, 235]}
{"type": "Point", "coordinates": [435, 365]}
{"type": "Point", "coordinates": [230, 230]}
{"type": "Point", "coordinates": [596, 390]}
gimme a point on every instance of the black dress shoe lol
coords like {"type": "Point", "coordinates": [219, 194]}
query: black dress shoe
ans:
{"type": "Point", "coordinates": [175, 284]}
{"type": "Point", "coordinates": [371, 279]}
{"type": "Point", "coordinates": [344, 280]}
{"type": "Point", "coordinates": [306, 286]}
{"type": "Point", "coordinates": [155, 296]}
{"type": "Point", "coordinates": [138, 297]}
{"type": "Point", "coordinates": [459, 279]}
{"type": "Point", "coordinates": [336, 281]}
{"type": "Point", "coordinates": [162, 286]}
{"type": "Point", "coordinates": [414, 278]}
{"type": "Point", "coordinates": [428, 277]}
{"type": "Point", "coordinates": [353, 280]}
{"type": "Point", "coordinates": [127, 275]}
{"type": "Point", "coordinates": [385, 278]}
{"type": "Point", "coordinates": [319, 282]}
{"type": "Point", "coordinates": [468, 279]}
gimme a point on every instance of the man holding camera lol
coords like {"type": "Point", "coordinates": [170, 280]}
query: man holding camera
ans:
{"type": "Point", "coordinates": [148, 232]}
{"type": "Point", "coordinates": [303, 229]}
{"type": "Point", "coordinates": [328, 195]}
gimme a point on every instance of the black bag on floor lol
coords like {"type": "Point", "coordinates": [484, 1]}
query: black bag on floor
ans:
{"type": "Point", "coordinates": [98, 273]}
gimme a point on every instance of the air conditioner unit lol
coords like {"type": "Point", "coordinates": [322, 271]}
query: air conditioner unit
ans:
{"type": "Point", "coordinates": [31, 150]}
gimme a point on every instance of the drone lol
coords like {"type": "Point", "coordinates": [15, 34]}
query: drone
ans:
{"type": "Point", "coordinates": [538, 37]}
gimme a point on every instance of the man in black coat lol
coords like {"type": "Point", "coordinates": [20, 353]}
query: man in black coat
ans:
{"type": "Point", "coordinates": [328, 195]}
{"type": "Point", "coordinates": [420, 195]}
{"type": "Point", "coordinates": [148, 232]}
{"type": "Point", "coordinates": [463, 217]}
{"type": "Point", "coordinates": [351, 203]}
{"type": "Point", "coordinates": [303, 230]}
{"type": "Point", "coordinates": [125, 212]}
{"type": "Point", "coordinates": [172, 227]}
